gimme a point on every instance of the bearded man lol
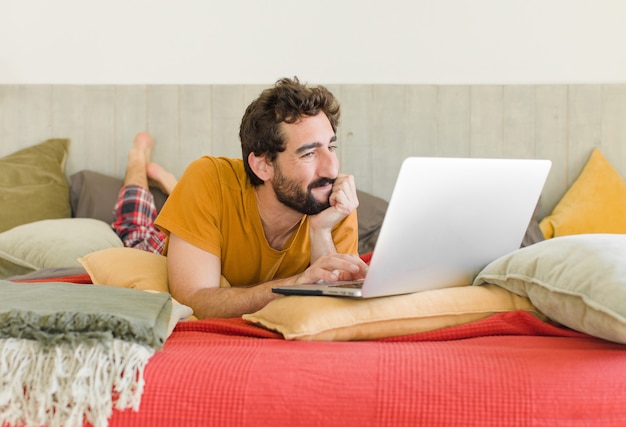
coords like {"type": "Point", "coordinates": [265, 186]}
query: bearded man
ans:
{"type": "Point", "coordinates": [281, 215]}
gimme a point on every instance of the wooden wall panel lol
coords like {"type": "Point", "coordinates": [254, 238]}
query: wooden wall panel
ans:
{"type": "Point", "coordinates": [195, 124]}
{"type": "Point", "coordinates": [421, 121]}
{"type": "Point", "coordinates": [584, 126]}
{"type": "Point", "coordinates": [228, 108]}
{"type": "Point", "coordinates": [486, 117]}
{"type": "Point", "coordinates": [380, 125]}
{"type": "Point", "coordinates": [131, 117]}
{"type": "Point", "coordinates": [99, 135]}
{"type": "Point", "coordinates": [25, 116]}
{"type": "Point", "coordinates": [551, 140]}
{"type": "Point", "coordinates": [31, 115]}
{"type": "Point", "coordinates": [453, 121]}
{"type": "Point", "coordinates": [163, 122]}
{"type": "Point", "coordinates": [389, 143]}
{"type": "Point", "coordinates": [613, 131]}
{"type": "Point", "coordinates": [355, 137]}
{"type": "Point", "coordinates": [518, 122]}
{"type": "Point", "coordinates": [68, 121]}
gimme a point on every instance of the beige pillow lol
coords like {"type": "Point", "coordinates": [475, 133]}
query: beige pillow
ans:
{"type": "Point", "coordinates": [52, 243]}
{"type": "Point", "coordinates": [578, 281]}
{"type": "Point", "coordinates": [129, 268]}
{"type": "Point", "coordinates": [314, 318]}
{"type": "Point", "coordinates": [33, 184]}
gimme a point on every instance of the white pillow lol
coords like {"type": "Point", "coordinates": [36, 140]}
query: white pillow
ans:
{"type": "Point", "coordinates": [52, 243]}
{"type": "Point", "coordinates": [578, 281]}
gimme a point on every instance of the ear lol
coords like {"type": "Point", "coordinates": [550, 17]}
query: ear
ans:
{"type": "Point", "coordinates": [261, 167]}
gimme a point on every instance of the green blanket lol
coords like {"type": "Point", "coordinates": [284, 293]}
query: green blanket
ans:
{"type": "Point", "coordinates": [70, 354]}
{"type": "Point", "coordinates": [54, 312]}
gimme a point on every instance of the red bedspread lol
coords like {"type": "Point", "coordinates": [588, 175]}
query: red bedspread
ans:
{"type": "Point", "coordinates": [509, 369]}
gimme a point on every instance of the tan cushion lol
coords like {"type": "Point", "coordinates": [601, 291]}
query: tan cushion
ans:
{"type": "Point", "coordinates": [129, 268]}
{"type": "Point", "coordinates": [317, 318]}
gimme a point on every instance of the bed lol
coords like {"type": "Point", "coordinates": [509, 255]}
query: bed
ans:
{"type": "Point", "coordinates": [538, 339]}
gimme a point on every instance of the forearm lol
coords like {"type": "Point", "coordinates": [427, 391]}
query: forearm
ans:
{"type": "Point", "coordinates": [321, 244]}
{"type": "Point", "coordinates": [234, 301]}
{"type": "Point", "coordinates": [343, 203]}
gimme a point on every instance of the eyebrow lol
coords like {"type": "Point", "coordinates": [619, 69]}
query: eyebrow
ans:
{"type": "Point", "coordinates": [313, 145]}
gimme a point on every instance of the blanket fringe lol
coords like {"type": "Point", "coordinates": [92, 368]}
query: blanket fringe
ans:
{"type": "Point", "coordinates": [69, 384]}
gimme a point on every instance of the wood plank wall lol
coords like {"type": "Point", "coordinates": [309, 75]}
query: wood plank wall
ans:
{"type": "Point", "coordinates": [380, 125]}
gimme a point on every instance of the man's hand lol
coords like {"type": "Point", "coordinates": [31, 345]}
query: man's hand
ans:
{"type": "Point", "coordinates": [343, 200]}
{"type": "Point", "coordinates": [334, 267]}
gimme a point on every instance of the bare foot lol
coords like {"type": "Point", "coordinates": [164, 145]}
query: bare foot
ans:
{"type": "Point", "coordinates": [138, 158]}
{"type": "Point", "coordinates": [142, 147]}
{"type": "Point", "coordinates": [164, 179]}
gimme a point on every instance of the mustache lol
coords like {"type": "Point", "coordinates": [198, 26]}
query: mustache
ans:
{"type": "Point", "coordinates": [321, 182]}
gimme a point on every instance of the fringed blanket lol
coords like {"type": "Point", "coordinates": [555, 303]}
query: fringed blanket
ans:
{"type": "Point", "coordinates": [70, 354]}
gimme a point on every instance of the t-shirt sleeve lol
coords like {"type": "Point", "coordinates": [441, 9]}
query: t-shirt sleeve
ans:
{"type": "Point", "coordinates": [192, 211]}
{"type": "Point", "coordinates": [346, 235]}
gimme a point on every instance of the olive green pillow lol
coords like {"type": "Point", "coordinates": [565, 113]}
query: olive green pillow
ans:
{"type": "Point", "coordinates": [33, 185]}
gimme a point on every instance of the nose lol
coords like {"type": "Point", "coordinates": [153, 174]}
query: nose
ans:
{"type": "Point", "coordinates": [329, 165]}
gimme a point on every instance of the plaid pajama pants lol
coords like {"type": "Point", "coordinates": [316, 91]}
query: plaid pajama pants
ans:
{"type": "Point", "coordinates": [135, 213]}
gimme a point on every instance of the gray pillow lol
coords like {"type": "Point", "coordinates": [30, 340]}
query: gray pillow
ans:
{"type": "Point", "coordinates": [533, 232]}
{"type": "Point", "coordinates": [93, 195]}
{"type": "Point", "coordinates": [370, 214]}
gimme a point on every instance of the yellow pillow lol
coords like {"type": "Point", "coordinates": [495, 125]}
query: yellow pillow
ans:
{"type": "Point", "coordinates": [129, 268]}
{"type": "Point", "coordinates": [595, 202]}
{"type": "Point", "coordinates": [313, 318]}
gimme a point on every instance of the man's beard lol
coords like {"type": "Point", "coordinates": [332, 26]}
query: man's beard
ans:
{"type": "Point", "coordinates": [289, 193]}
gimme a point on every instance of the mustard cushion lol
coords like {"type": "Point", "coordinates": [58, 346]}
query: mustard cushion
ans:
{"type": "Point", "coordinates": [129, 268]}
{"type": "Point", "coordinates": [578, 281]}
{"type": "Point", "coordinates": [33, 185]}
{"type": "Point", "coordinates": [320, 318]}
{"type": "Point", "coordinates": [594, 203]}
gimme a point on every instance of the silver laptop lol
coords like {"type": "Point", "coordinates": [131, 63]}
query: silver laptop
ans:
{"type": "Point", "coordinates": [447, 218]}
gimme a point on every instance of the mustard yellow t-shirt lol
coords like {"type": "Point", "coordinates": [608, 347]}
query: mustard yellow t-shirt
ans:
{"type": "Point", "coordinates": [214, 207]}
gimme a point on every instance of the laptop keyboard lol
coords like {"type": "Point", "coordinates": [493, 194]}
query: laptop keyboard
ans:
{"type": "Point", "coordinates": [351, 285]}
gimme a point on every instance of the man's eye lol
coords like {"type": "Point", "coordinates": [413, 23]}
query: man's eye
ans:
{"type": "Point", "coordinates": [307, 155]}
{"type": "Point", "coordinates": [332, 147]}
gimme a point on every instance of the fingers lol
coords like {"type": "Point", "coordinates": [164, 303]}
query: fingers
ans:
{"type": "Point", "coordinates": [343, 201]}
{"type": "Point", "coordinates": [344, 195]}
{"type": "Point", "coordinates": [334, 267]}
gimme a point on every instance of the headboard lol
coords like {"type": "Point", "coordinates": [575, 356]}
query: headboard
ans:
{"type": "Point", "coordinates": [380, 125]}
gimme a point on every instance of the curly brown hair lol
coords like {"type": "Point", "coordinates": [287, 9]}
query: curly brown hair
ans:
{"type": "Point", "coordinates": [287, 101]}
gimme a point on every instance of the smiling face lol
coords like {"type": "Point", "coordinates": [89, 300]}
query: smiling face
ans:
{"type": "Point", "coordinates": [305, 172]}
